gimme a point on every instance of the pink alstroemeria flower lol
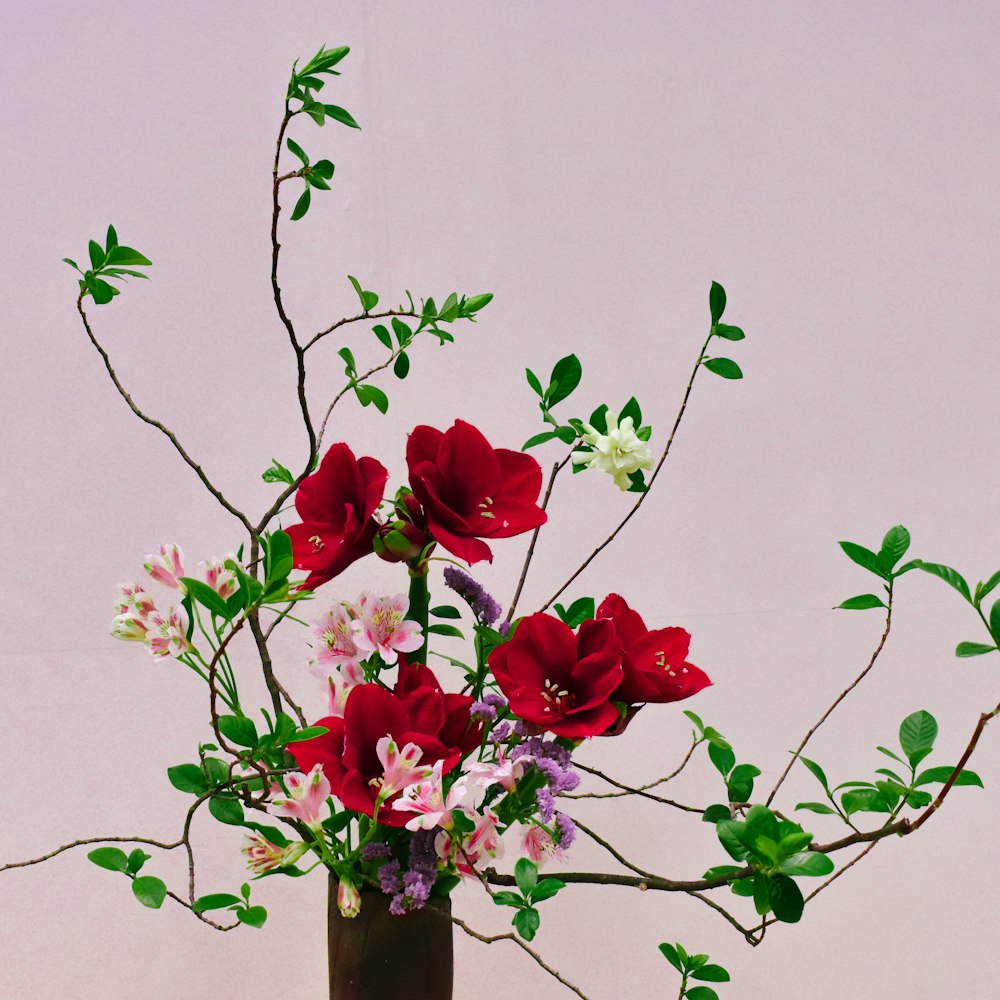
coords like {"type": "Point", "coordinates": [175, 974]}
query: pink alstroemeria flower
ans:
{"type": "Point", "coordinates": [348, 898]}
{"type": "Point", "coordinates": [308, 794]}
{"type": "Point", "coordinates": [167, 567]}
{"type": "Point", "coordinates": [263, 856]}
{"type": "Point", "coordinates": [401, 767]}
{"type": "Point", "coordinates": [134, 601]}
{"type": "Point", "coordinates": [382, 627]}
{"type": "Point", "coordinates": [540, 847]}
{"type": "Point", "coordinates": [223, 581]}
{"type": "Point", "coordinates": [483, 841]}
{"type": "Point", "coordinates": [168, 636]}
{"type": "Point", "coordinates": [427, 799]}
{"type": "Point", "coordinates": [504, 772]}
{"type": "Point", "coordinates": [342, 682]}
{"type": "Point", "coordinates": [130, 628]}
{"type": "Point", "coordinates": [337, 646]}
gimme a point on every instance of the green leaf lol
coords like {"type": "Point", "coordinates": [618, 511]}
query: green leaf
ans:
{"type": "Point", "coordinates": [725, 367]}
{"type": "Point", "coordinates": [722, 758]}
{"type": "Point", "coordinates": [526, 875]}
{"type": "Point", "coordinates": [508, 899]}
{"type": "Point", "coordinates": [126, 256]}
{"type": "Point", "coordinates": [986, 588]}
{"type": "Point", "coordinates": [226, 811]}
{"type": "Point", "coordinates": [729, 332]}
{"type": "Point", "coordinates": [817, 807]}
{"type": "Point", "coordinates": [526, 922]}
{"type": "Point", "coordinates": [807, 863]}
{"type": "Point", "coordinates": [402, 366]}
{"type": "Point", "coordinates": [449, 311]}
{"type": "Point", "coordinates": [917, 733]}
{"type": "Point", "coordinates": [72, 263]}
{"type": "Point", "coordinates": [205, 596]}
{"type": "Point", "coordinates": [721, 871]}
{"type": "Point", "coordinates": [995, 620]}
{"type": "Point", "coordinates": [863, 557]}
{"type": "Point", "coordinates": [862, 603]}
{"type": "Point", "coordinates": [816, 770]}
{"type": "Point", "coordinates": [445, 611]}
{"type": "Point", "coordinates": [532, 378]}
{"type": "Point", "coordinates": [112, 239]}
{"type": "Point", "coordinates": [547, 888]}
{"type": "Point", "coordinates": [215, 901]}
{"type": "Point", "coordinates": [740, 783]}
{"type": "Point", "coordinates": [238, 729]}
{"type": "Point", "coordinates": [599, 419]}
{"type": "Point", "coordinates": [701, 992]}
{"type": "Point", "coordinates": [112, 858]}
{"type": "Point", "coordinates": [565, 377]}
{"type": "Point", "coordinates": [302, 205]}
{"type": "Point", "coordinates": [786, 899]}
{"type": "Point", "coordinates": [894, 546]}
{"type": "Point", "coordinates": [761, 894]}
{"type": "Point", "coordinates": [864, 800]}
{"type": "Point", "coordinates": [478, 302]}
{"type": "Point", "coordinates": [348, 357]}
{"type": "Point", "coordinates": [97, 255]}
{"type": "Point", "coordinates": [103, 292]}
{"type": "Point", "coordinates": [150, 891]}
{"type": "Point", "coordinates": [582, 609]}
{"type": "Point", "coordinates": [742, 887]}
{"type": "Point", "coordinates": [949, 576]}
{"type": "Point", "coordinates": [361, 293]}
{"type": "Point", "coordinates": [669, 952]}
{"type": "Point", "coordinates": [340, 115]}
{"type": "Point", "coordinates": [965, 649]}
{"type": "Point", "coordinates": [565, 434]}
{"type": "Point", "coordinates": [631, 409]}
{"type": "Point", "coordinates": [403, 333]}
{"type": "Point", "coordinates": [711, 974]}
{"type": "Point", "coordinates": [696, 720]}
{"type": "Point", "coordinates": [441, 629]}
{"type": "Point", "coordinates": [309, 733]}
{"type": "Point", "coordinates": [188, 778]}
{"type": "Point", "coordinates": [538, 439]}
{"type": "Point", "coordinates": [939, 775]}
{"type": "Point", "coordinates": [716, 302]}
{"type": "Point", "coordinates": [325, 169]}
{"type": "Point", "coordinates": [372, 394]}
{"type": "Point", "coordinates": [277, 473]}
{"type": "Point", "coordinates": [252, 916]}
{"type": "Point", "coordinates": [137, 859]}
{"type": "Point", "coordinates": [728, 831]}
{"type": "Point", "coordinates": [383, 335]}
{"type": "Point", "coordinates": [716, 812]}
{"type": "Point", "coordinates": [298, 151]}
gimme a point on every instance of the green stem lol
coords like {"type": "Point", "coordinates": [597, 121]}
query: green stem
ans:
{"type": "Point", "coordinates": [419, 601]}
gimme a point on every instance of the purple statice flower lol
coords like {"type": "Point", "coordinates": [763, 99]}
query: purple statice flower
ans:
{"type": "Point", "coordinates": [484, 607]}
{"type": "Point", "coordinates": [479, 711]}
{"type": "Point", "coordinates": [373, 852]}
{"type": "Point", "coordinates": [559, 779]}
{"type": "Point", "coordinates": [565, 830]}
{"type": "Point", "coordinates": [419, 879]}
{"type": "Point", "coordinates": [495, 700]}
{"type": "Point", "coordinates": [500, 733]}
{"type": "Point", "coordinates": [521, 729]}
{"type": "Point", "coordinates": [388, 878]}
{"type": "Point", "coordinates": [504, 629]}
{"type": "Point", "coordinates": [546, 804]}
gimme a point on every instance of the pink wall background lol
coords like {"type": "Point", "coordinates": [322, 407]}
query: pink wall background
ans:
{"type": "Point", "coordinates": [595, 166]}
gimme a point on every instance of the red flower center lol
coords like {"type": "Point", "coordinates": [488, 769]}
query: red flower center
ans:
{"type": "Point", "coordinates": [560, 697]}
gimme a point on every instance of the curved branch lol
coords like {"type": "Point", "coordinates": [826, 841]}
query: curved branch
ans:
{"type": "Point", "coordinates": [629, 790]}
{"type": "Point", "coordinates": [412, 314]}
{"type": "Point", "coordinates": [171, 437]}
{"type": "Point", "coordinates": [840, 698]}
{"type": "Point", "coordinates": [642, 496]}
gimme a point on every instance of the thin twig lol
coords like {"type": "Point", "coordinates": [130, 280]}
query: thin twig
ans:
{"type": "Point", "coordinates": [745, 931]}
{"type": "Point", "coordinates": [629, 790]}
{"type": "Point", "coordinates": [642, 496]}
{"type": "Point", "coordinates": [613, 851]}
{"type": "Point", "coordinates": [171, 437]}
{"type": "Point", "coordinates": [534, 538]}
{"type": "Point", "coordinates": [412, 314]}
{"type": "Point", "coordinates": [840, 697]}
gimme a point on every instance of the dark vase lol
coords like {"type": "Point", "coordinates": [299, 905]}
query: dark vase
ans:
{"type": "Point", "coordinates": [376, 956]}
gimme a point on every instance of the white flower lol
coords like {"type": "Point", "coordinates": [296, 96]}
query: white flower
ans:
{"type": "Point", "coordinates": [619, 451]}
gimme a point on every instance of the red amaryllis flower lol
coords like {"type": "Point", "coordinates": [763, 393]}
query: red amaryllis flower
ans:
{"type": "Point", "coordinates": [654, 661]}
{"type": "Point", "coordinates": [336, 504]}
{"type": "Point", "coordinates": [417, 712]}
{"type": "Point", "coordinates": [561, 680]}
{"type": "Point", "coordinates": [470, 490]}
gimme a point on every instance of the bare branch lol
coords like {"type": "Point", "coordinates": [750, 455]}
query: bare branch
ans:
{"type": "Point", "coordinates": [629, 790]}
{"type": "Point", "coordinates": [840, 697]}
{"type": "Point", "coordinates": [412, 314]}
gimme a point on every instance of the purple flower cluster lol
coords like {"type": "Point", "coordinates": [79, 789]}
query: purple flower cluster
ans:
{"type": "Point", "coordinates": [419, 878]}
{"type": "Point", "coordinates": [373, 852]}
{"type": "Point", "coordinates": [486, 710]}
{"type": "Point", "coordinates": [388, 878]}
{"type": "Point", "coordinates": [484, 607]}
{"type": "Point", "coordinates": [500, 733]}
{"type": "Point", "coordinates": [555, 764]}
{"type": "Point", "coordinates": [565, 831]}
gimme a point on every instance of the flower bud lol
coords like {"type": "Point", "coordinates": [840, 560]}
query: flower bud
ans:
{"type": "Point", "coordinates": [400, 541]}
{"type": "Point", "coordinates": [348, 898]}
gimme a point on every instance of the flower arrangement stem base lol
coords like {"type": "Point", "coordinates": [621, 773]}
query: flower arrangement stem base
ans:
{"type": "Point", "coordinates": [377, 956]}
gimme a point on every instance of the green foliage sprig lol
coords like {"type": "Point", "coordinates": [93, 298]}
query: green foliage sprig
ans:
{"type": "Point", "coordinates": [110, 261]}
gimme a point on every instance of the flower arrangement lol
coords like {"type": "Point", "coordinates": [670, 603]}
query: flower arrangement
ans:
{"type": "Point", "coordinates": [426, 770]}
